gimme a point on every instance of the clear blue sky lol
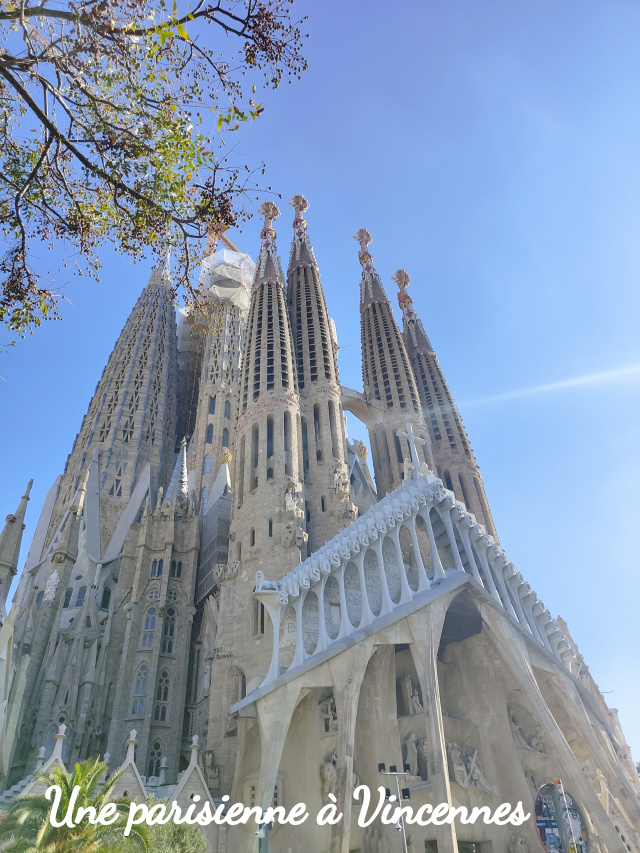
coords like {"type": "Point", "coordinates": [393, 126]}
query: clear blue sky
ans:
{"type": "Point", "coordinates": [493, 150]}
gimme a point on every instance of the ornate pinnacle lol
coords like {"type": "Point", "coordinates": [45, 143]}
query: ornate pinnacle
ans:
{"type": "Point", "coordinates": [404, 300]}
{"type": "Point", "coordinates": [300, 204]}
{"type": "Point", "coordinates": [271, 212]}
{"type": "Point", "coordinates": [364, 238]}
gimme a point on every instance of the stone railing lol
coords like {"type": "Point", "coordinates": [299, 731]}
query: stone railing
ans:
{"type": "Point", "coordinates": [396, 551]}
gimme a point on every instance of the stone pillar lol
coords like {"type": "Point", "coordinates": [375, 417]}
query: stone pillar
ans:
{"type": "Point", "coordinates": [426, 626]}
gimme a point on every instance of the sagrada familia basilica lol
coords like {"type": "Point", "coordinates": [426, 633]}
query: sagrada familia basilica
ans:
{"type": "Point", "coordinates": [221, 599]}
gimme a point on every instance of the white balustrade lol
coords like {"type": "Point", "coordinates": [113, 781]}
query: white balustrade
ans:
{"type": "Point", "coordinates": [369, 552]}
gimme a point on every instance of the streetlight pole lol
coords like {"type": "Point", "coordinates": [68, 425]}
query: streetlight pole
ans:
{"type": "Point", "coordinates": [392, 771]}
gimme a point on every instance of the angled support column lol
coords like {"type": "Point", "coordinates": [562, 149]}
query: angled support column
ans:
{"type": "Point", "coordinates": [426, 626]}
{"type": "Point", "coordinates": [347, 670]}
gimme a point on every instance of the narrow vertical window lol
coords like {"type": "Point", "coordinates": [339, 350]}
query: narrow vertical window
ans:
{"type": "Point", "coordinates": [447, 480]}
{"type": "Point", "coordinates": [333, 426]}
{"type": "Point", "coordinates": [252, 537]}
{"type": "Point", "coordinates": [255, 455]}
{"type": "Point", "coordinates": [39, 598]}
{"type": "Point", "coordinates": [212, 405]}
{"type": "Point", "coordinates": [206, 469]}
{"type": "Point", "coordinates": [148, 628]}
{"type": "Point", "coordinates": [323, 504]}
{"type": "Point", "coordinates": [270, 447]}
{"type": "Point", "coordinates": [305, 449]}
{"type": "Point", "coordinates": [227, 410]}
{"type": "Point", "coordinates": [243, 443]}
{"type": "Point", "coordinates": [288, 468]}
{"type": "Point", "coordinates": [67, 597]}
{"type": "Point", "coordinates": [225, 437]}
{"type": "Point", "coordinates": [270, 527]}
{"type": "Point", "coordinates": [209, 437]}
{"type": "Point", "coordinates": [168, 631]}
{"type": "Point", "coordinates": [399, 455]}
{"type": "Point", "coordinates": [154, 569]}
{"type": "Point", "coordinates": [81, 595]}
{"type": "Point", "coordinates": [106, 598]}
{"type": "Point", "coordinates": [317, 429]}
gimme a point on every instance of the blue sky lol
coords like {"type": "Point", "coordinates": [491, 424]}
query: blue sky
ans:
{"type": "Point", "coordinates": [491, 149]}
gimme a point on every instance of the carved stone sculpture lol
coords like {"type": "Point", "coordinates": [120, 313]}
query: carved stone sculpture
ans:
{"type": "Point", "coordinates": [341, 479]}
{"type": "Point", "coordinates": [411, 754]}
{"type": "Point", "coordinates": [406, 689]}
{"type": "Point", "coordinates": [458, 765]}
{"type": "Point", "coordinates": [329, 715]}
{"type": "Point", "coordinates": [329, 777]}
{"type": "Point", "coordinates": [52, 585]}
{"type": "Point", "coordinates": [409, 469]}
{"type": "Point", "coordinates": [518, 844]}
{"type": "Point", "coordinates": [416, 705]}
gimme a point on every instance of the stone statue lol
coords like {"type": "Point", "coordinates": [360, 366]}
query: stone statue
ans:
{"type": "Point", "coordinates": [329, 715]}
{"type": "Point", "coordinates": [422, 759]}
{"type": "Point", "coordinates": [329, 777]}
{"type": "Point", "coordinates": [416, 705]}
{"type": "Point", "coordinates": [458, 765]}
{"type": "Point", "coordinates": [409, 469]}
{"type": "Point", "coordinates": [476, 778]}
{"type": "Point", "coordinates": [372, 841]}
{"type": "Point", "coordinates": [518, 844]}
{"type": "Point", "coordinates": [341, 478]}
{"type": "Point", "coordinates": [533, 742]}
{"type": "Point", "coordinates": [411, 754]}
{"type": "Point", "coordinates": [210, 771]}
{"type": "Point", "coordinates": [52, 586]}
{"type": "Point", "coordinates": [406, 688]}
{"type": "Point", "coordinates": [361, 449]}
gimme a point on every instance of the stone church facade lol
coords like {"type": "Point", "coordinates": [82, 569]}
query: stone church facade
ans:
{"type": "Point", "coordinates": [218, 595]}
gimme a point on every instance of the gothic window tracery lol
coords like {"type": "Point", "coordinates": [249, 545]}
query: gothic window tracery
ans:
{"type": "Point", "coordinates": [168, 631]}
{"type": "Point", "coordinates": [81, 596]}
{"type": "Point", "coordinates": [140, 689]}
{"type": "Point", "coordinates": [149, 628]}
{"type": "Point", "coordinates": [155, 758]}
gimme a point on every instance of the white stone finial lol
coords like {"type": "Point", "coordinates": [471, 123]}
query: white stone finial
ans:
{"type": "Point", "coordinates": [162, 778]}
{"type": "Point", "coordinates": [60, 739]}
{"type": "Point", "coordinates": [41, 756]}
{"type": "Point", "coordinates": [195, 748]}
{"type": "Point", "coordinates": [131, 747]}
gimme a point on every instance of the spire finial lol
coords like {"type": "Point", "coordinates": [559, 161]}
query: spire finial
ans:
{"type": "Point", "coordinates": [271, 212]}
{"type": "Point", "coordinates": [405, 302]}
{"type": "Point", "coordinates": [300, 204]}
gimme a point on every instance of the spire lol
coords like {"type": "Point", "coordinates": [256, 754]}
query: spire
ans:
{"type": "Point", "coordinates": [131, 416]}
{"type": "Point", "coordinates": [452, 453]}
{"type": "Point", "coordinates": [415, 337]}
{"type": "Point", "coordinates": [268, 268]}
{"type": "Point", "coordinates": [178, 488]}
{"type": "Point", "coordinates": [10, 541]}
{"type": "Point", "coordinates": [371, 288]}
{"type": "Point", "coordinates": [302, 254]}
{"type": "Point", "coordinates": [325, 469]}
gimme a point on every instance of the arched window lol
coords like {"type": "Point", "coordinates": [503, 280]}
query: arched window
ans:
{"type": "Point", "coordinates": [39, 598]}
{"type": "Point", "coordinates": [209, 437]}
{"type": "Point", "coordinates": [207, 464]}
{"type": "Point", "coordinates": [81, 596]}
{"type": "Point", "coordinates": [447, 480]}
{"type": "Point", "coordinates": [212, 405]}
{"type": "Point", "coordinates": [227, 410]}
{"type": "Point", "coordinates": [179, 569]}
{"type": "Point", "coordinates": [160, 565]}
{"type": "Point", "coordinates": [176, 569]}
{"type": "Point", "coordinates": [154, 569]}
{"type": "Point", "coordinates": [162, 691]}
{"type": "Point", "coordinates": [155, 757]}
{"type": "Point", "coordinates": [67, 597]}
{"type": "Point", "coordinates": [225, 437]}
{"type": "Point", "coordinates": [140, 689]}
{"type": "Point", "coordinates": [106, 598]}
{"type": "Point", "coordinates": [168, 631]}
{"type": "Point", "coordinates": [149, 628]}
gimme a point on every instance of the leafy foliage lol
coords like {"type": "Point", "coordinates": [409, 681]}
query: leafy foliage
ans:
{"type": "Point", "coordinates": [113, 118]}
{"type": "Point", "coordinates": [175, 838]}
{"type": "Point", "coordinates": [27, 829]}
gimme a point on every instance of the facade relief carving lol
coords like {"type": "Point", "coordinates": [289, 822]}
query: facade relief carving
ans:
{"type": "Point", "coordinates": [465, 769]}
{"type": "Point", "coordinates": [524, 739]}
{"type": "Point", "coordinates": [411, 705]}
{"type": "Point", "coordinates": [328, 714]}
{"type": "Point", "coordinates": [52, 586]}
